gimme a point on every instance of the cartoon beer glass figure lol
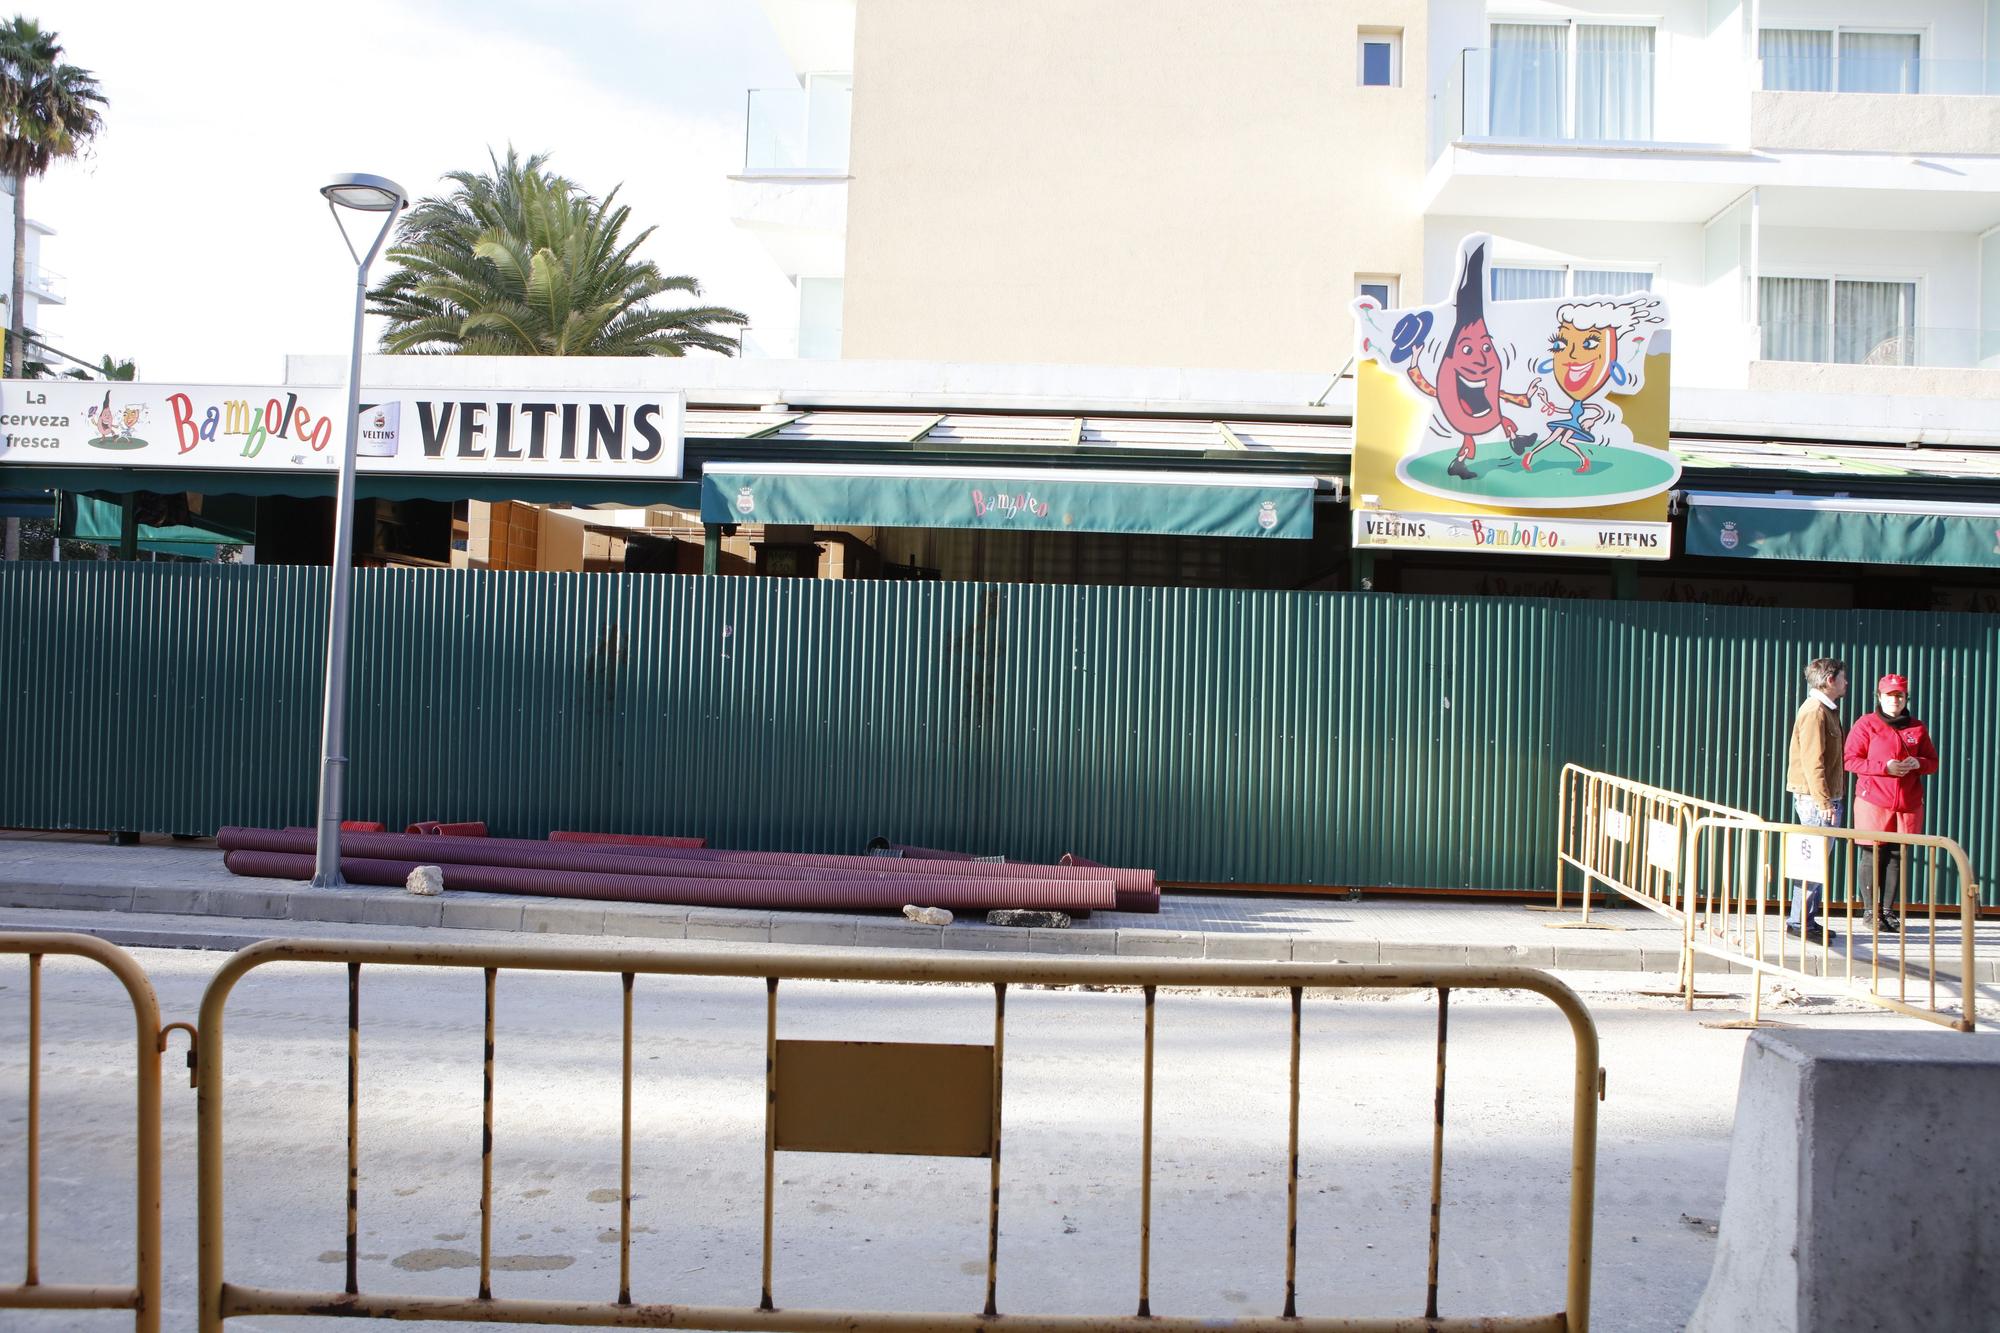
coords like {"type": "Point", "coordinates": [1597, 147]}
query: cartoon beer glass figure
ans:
{"type": "Point", "coordinates": [1584, 363]}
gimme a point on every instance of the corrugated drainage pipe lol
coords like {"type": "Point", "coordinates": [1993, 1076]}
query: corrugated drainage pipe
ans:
{"type": "Point", "coordinates": [960, 895]}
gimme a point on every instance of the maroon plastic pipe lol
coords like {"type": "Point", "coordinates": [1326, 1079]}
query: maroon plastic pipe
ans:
{"type": "Point", "coordinates": [1136, 891]}
{"type": "Point", "coordinates": [960, 895]}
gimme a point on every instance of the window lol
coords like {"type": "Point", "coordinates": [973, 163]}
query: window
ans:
{"type": "Point", "coordinates": [1824, 60]}
{"type": "Point", "coordinates": [1381, 57]}
{"type": "Point", "coordinates": [1847, 321]}
{"type": "Point", "coordinates": [1590, 81]}
{"type": "Point", "coordinates": [1551, 282]}
{"type": "Point", "coordinates": [1381, 289]}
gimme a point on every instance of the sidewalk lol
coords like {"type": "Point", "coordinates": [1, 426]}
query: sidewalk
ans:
{"type": "Point", "coordinates": [168, 894]}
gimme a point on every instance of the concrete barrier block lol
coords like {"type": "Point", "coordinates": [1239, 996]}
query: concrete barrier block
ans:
{"type": "Point", "coordinates": [540, 919]}
{"type": "Point", "coordinates": [1160, 943]}
{"type": "Point", "coordinates": [1336, 951]}
{"type": "Point", "coordinates": [70, 897]}
{"type": "Point", "coordinates": [481, 914]}
{"type": "Point", "coordinates": [994, 939]}
{"type": "Point", "coordinates": [811, 930]}
{"type": "Point", "coordinates": [1864, 1185]}
{"type": "Point", "coordinates": [882, 933]}
{"type": "Point", "coordinates": [1073, 941]}
{"type": "Point", "coordinates": [723, 923]}
{"type": "Point", "coordinates": [1257, 948]}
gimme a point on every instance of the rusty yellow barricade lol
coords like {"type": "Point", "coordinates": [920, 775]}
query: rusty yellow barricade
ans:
{"type": "Point", "coordinates": [1744, 874]}
{"type": "Point", "coordinates": [1628, 837]}
{"type": "Point", "coordinates": [142, 1297]}
{"type": "Point", "coordinates": [814, 1101]}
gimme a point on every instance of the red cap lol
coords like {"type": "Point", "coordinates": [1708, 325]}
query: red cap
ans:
{"type": "Point", "coordinates": [1893, 684]}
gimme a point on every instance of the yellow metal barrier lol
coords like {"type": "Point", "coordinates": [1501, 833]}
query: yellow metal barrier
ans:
{"type": "Point", "coordinates": [1740, 867]}
{"type": "Point", "coordinates": [807, 1106]}
{"type": "Point", "coordinates": [1628, 837]}
{"type": "Point", "coordinates": [142, 1297]}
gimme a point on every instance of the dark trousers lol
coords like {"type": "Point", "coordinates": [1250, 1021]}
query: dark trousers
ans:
{"type": "Point", "coordinates": [1883, 860]}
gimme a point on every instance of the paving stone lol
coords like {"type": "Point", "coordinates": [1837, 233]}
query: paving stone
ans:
{"type": "Point", "coordinates": [997, 939]}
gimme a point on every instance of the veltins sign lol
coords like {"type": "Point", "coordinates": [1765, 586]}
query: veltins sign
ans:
{"type": "Point", "coordinates": [1513, 427]}
{"type": "Point", "coordinates": [438, 432]}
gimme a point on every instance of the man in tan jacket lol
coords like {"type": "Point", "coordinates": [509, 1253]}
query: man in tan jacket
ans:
{"type": "Point", "coordinates": [1816, 777]}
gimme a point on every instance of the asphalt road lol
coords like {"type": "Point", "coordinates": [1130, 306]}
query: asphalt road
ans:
{"type": "Point", "coordinates": [883, 1232]}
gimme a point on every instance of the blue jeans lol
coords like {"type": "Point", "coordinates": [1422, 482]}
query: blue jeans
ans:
{"type": "Point", "coordinates": [1808, 811]}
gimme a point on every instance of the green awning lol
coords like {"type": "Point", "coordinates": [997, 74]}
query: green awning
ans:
{"type": "Point", "coordinates": [1180, 504]}
{"type": "Point", "coordinates": [177, 529]}
{"type": "Point", "coordinates": [1843, 530]}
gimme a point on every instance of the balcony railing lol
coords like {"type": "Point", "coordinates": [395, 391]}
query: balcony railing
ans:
{"type": "Point", "coordinates": [798, 129]}
{"type": "Point", "coordinates": [1818, 341]}
{"type": "Point", "coordinates": [43, 282]}
{"type": "Point", "coordinates": [1827, 72]}
{"type": "Point", "coordinates": [776, 342]}
{"type": "Point", "coordinates": [1601, 97]}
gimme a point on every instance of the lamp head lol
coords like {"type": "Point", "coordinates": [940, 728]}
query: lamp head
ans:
{"type": "Point", "coordinates": [365, 194]}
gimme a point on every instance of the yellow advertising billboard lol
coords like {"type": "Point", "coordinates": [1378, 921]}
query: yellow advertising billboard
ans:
{"type": "Point", "coordinates": [1513, 426]}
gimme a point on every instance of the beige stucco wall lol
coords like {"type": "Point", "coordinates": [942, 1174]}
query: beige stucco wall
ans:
{"type": "Point", "coordinates": [1168, 183]}
{"type": "Point", "coordinates": [1875, 122]}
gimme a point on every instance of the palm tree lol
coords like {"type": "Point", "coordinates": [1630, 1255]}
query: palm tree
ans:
{"type": "Point", "coordinates": [47, 110]}
{"type": "Point", "coordinates": [523, 262]}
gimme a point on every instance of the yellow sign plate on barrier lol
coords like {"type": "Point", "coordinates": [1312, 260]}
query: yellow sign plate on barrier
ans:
{"type": "Point", "coordinates": [924, 1099]}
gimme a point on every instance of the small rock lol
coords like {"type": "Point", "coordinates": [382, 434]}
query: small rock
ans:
{"type": "Point", "coordinates": [927, 916]}
{"type": "Point", "coordinates": [1018, 916]}
{"type": "Point", "coordinates": [1785, 996]}
{"type": "Point", "coordinates": [426, 880]}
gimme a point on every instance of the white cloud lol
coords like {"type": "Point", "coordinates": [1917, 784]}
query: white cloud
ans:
{"type": "Point", "coordinates": [194, 240]}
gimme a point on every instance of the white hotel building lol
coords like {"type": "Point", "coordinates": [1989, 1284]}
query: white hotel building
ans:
{"type": "Point", "coordinates": [1813, 184]}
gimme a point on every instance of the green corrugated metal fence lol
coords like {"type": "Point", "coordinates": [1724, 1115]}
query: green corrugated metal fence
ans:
{"type": "Point", "coordinates": [1294, 738]}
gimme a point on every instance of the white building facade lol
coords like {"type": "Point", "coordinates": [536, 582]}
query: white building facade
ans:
{"type": "Point", "coordinates": [1814, 185]}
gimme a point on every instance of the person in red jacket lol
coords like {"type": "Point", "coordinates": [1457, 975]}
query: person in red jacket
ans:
{"type": "Point", "coordinates": [1890, 753]}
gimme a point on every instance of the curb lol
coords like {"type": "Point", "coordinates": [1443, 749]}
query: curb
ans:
{"type": "Point", "coordinates": [243, 912]}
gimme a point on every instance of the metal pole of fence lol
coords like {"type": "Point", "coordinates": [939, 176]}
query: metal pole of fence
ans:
{"type": "Point", "coordinates": [1292, 1172]}
{"type": "Point", "coordinates": [993, 1203]}
{"type": "Point", "coordinates": [1146, 1173]}
{"type": "Point", "coordinates": [770, 1123]}
{"type": "Point", "coordinates": [625, 1156]}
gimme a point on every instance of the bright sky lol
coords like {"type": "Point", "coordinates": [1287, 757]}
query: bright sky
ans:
{"type": "Point", "coordinates": [193, 238]}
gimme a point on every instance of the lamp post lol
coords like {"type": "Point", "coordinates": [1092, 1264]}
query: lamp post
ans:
{"type": "Point", "coordinates": [361, 194]}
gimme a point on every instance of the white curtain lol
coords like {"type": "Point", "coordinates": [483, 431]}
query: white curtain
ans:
{"type": "Point", "coordinates": [1614, 82]}
{"type": "Point", "coordinates": [1530, 81]}
{"type": "Point", "coordinates": [1796, 318]}
{"type": "Point", "coordinates": [1874, 323]}
{"type": "Point", "coordinates": [1586, 282]}
{"type": "Point", "coordinates": [1796, 60]}
{"type": "Point", "coordinates": [1527, 284]}
{"type": "Point", "coordinates": [1879, 62]}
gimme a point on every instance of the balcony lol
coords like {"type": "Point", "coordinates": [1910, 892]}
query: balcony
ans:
{"type": "Point", "coordinates": [799, 131]}
{"type": "Point", "coordinates": [44, 284]}
{"type": "Point", "coordinates": [1904, 106]}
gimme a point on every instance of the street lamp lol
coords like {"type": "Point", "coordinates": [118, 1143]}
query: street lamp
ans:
{"type": "Point", "coordinates": [361, 194]}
